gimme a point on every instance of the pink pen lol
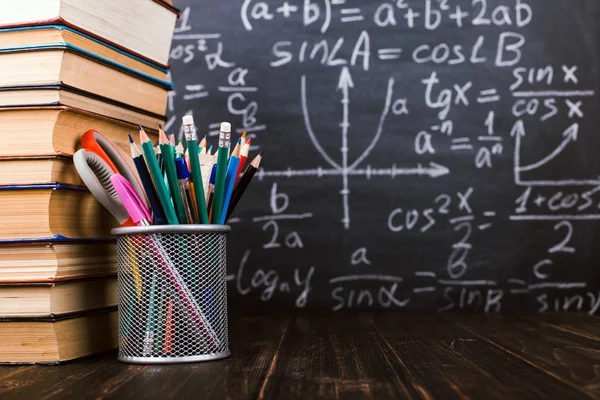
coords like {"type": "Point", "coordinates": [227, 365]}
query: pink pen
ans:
{"type": "Point", "coordinates": [132, 201]}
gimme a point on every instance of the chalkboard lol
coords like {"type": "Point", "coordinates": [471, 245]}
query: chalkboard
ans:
{"type": "Point", "coordinates": [419, 155]}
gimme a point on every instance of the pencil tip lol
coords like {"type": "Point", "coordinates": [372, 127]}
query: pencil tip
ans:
{"type": "Point", "coordinates": [236, 151]}
{"type": "Point", "coordinates": [162, 137]}
{"type": "Point", "coordinates": [130, 139]}
{"type": "Point", "coordinates": [160, 126]}
{"type": "Point", "coordinates": [144, 136]}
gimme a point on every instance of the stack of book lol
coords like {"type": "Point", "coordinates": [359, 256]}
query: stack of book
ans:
{"type": "Point", "coordinates": [68, 66]}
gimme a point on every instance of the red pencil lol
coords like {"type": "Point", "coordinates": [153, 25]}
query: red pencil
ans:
{"type": "Point", "coordinates": [243, 156]}
{"type": "Point", "coordinates": [169, 329]}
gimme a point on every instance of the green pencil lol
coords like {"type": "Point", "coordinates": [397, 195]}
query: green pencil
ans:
{"type": "Point", "coordinates": [168, 153]}
{"type": "Point", "coordinates": [192, 148]}
{"type": "Point", "coordinates": [222, 156]}
{"type": "Point", "coordinates": [157, 177]}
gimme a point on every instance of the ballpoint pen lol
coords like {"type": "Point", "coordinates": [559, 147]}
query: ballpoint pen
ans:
{"type": "Point", "coordinates": [183, 175]}
{"type": "Point", "coordinates": [211, 188]}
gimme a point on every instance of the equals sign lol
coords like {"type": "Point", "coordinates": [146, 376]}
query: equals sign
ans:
{"type": "Point", "coordinates": [350, 15]}
{"type": "Point", "coordinates": [488, 96]}
{"type": "Point", "coordinates": [197, 92]}
{"type": "Point", "coordinates": [213, 129]}
{"type": "Point", "coordinates": [461, 144]}
{"type": "Point", "coordinates": [389, 54]}
{"type": "Point", "coordinates": [488, 214]}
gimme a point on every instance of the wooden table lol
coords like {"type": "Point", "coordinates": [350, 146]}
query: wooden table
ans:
{"type": "Point", "coordinates": [351, 356]}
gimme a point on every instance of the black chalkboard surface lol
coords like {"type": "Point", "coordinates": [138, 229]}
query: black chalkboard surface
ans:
{"type": "Point", "coordinates": [418, 154]}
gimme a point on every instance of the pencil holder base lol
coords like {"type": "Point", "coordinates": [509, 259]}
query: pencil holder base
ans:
{"type": "Point", "coordinates": [174, 360]}
{"type": "Point", "coordinates": [172, 293]}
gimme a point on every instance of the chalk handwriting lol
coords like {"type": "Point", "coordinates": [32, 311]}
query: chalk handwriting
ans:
{"type": "Point", "coordinates": [491, 134]}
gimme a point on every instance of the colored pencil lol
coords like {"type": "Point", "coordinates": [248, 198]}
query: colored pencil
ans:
{"type": "Point", "coordinates": [242, 185]}
{"type": "Point", "coordinates": [146, 179]}
{"type": "Point", "coordinates": [222, 157]}
{"type": "Point", "coordinates": [160, 159]}
{"type": "Point", "coordinates": [189, 130]}
{"type": "Point", "coordinates": [169, 329]}
{"type": "Point", "coordinates": [156, 174]}
{"type": "Point", "coordinates": [229, 180]}
{"type": "Point", "coordinates": [168, 153]}
{"type": "Point", "coordinates": [243, 156]}
{"type": "Point", "coordinates": [236, 149]}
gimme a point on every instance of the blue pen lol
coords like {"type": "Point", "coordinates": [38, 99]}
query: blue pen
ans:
{"type": "Point", "coordinates": [189, 205]}
{"type": "Point", "coordinates": [234, 162]}
{"type": "Point", "coordinates": [211, 188]}
{"type": "Point", "coordinates": [147, 184]}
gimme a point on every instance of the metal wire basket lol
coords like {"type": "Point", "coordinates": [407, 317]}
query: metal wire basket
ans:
{"type": "Point", "coordinates": [172, 293]}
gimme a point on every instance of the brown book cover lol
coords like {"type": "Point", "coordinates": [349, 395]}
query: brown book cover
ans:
{"type": "Point", "coordinates": [52, 340]}
{"type": "Point", "coordinates": [38, 170]}
{"type": "Point", "coordinates": [57, 127]}
{"type": "Point", "coordinates": [142, 27]}
{"type": "Point", "coordinates": [52, 211]}
{"type": "Point", "coordinates": [26, 261]}
{"type": "Point", "coordinates": [72, 68]}
{"type": "Point", "coordinates": [52, 299]}
{"type": "Point", "coordinates": [53, 35]}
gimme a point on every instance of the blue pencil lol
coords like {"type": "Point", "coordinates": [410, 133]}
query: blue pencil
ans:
{"type": "Point", "coordinates": [142, 169]}
{"type": "Point", "coordinates": [234, 162]}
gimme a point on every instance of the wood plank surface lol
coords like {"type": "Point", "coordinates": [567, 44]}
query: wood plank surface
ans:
{"type": "Point", "coordinates": [364, 356]}
{"type": "Point", "coordinates": [567, 357]}
{"type": "Point", "coordinates": [579, 324]}
{"type": "Point", "coordinates": [447, 361]}
{"type": "Point", "coordinates": [101, 377]}
{"type": "Point", "coordinates": [329, 357]}
{"type": "Point", "coordinates": [254, 343]}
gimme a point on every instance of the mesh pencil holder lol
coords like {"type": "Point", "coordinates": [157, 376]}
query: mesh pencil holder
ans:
{"type": "Point", "coordinates": [172, 293]}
